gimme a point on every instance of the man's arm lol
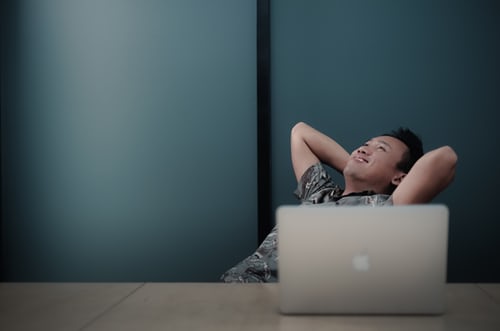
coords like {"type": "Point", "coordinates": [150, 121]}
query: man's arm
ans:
{"type": "Point", "coordinates": [431, 174]}
{"type": "Point", "coordinates": [309, 146]}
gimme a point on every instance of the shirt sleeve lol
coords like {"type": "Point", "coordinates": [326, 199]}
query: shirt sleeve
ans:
{"type": "Point", "coordinates": [316, 186]}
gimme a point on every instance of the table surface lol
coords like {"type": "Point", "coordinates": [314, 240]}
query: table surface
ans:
{"type": "Point", "coordinates": [214, 306]}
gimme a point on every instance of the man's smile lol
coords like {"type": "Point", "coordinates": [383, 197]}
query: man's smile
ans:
{"type": "Point", "coordinates": [360, 159]}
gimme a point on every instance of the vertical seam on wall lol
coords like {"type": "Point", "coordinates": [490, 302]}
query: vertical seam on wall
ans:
{"type": "Point", "coordinates": [263, 119]}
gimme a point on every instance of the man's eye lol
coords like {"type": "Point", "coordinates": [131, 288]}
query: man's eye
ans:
{"type": "Point", "coordinates": [382, 148]}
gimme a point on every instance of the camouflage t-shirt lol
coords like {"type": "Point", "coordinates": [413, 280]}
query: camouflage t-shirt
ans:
{"type": "Point", "coordinates": [315, 187]}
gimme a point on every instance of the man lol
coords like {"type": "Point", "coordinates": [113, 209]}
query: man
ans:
{"type": "Point", "coordinates": [387, 170]}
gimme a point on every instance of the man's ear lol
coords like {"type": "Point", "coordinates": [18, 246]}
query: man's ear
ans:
{"type": "Point", "coordinates": [398, 178]}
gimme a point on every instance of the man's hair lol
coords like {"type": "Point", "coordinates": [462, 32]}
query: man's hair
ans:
{"type": "Point", "coordinates": [414, 144]}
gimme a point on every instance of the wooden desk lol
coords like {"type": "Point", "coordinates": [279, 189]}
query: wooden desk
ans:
{"type": "Point", "coordinates": [213, 306]}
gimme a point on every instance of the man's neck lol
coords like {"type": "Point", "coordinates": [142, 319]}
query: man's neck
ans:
{"type": "Point", "coordinates": [356, 187]}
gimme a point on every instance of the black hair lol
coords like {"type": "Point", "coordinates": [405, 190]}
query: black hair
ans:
{"type": "Point", "coordinates": [414, 144]}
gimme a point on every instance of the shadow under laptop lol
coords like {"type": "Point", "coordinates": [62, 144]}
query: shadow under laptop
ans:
{"type": "Point", "coordinates": [362, 322]}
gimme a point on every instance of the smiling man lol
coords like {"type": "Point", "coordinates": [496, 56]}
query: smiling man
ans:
{"type": "Point", "coordinates": [390, 169]}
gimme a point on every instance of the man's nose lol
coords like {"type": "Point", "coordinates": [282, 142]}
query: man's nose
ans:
{"type": "Point", "coordinates": [363, 150]}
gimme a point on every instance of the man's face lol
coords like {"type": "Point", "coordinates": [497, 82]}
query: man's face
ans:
{"type": "Point", "coordinates": [375, 162]}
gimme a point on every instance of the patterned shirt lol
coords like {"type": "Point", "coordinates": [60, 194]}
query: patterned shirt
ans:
{"type": "Point", "coordinates": [316, 186]}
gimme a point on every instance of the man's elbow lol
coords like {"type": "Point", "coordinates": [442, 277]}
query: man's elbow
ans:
{"type": "Point", "coordinates": [298, 128]}
{"type": "Point", "coordinates": [448, 156]}
{"type": "Point", "coordinates": [448, 159]}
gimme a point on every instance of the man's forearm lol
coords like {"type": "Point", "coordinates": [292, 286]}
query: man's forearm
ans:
{"type": "Point", "coordinates": [430, 175]}
{"type": "Point", "coordinates": [309, 146]}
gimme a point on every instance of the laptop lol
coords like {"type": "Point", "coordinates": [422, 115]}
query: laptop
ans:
{"type": "Point", "coordinates": [362, 260]}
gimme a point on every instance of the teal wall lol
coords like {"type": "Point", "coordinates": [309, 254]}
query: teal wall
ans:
{"type": "Point", "coordinates": [356, 69]}
{"type": "Point", "coordinates": [131, 140]}
{"type": "Point", "coordinates": [129, 125]}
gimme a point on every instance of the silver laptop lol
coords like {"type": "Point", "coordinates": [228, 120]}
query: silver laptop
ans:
{"type": "Point", "coordinates": [362, 260]}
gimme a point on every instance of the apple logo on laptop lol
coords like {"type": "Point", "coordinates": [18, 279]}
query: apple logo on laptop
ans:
{"type": "Point", "coordinates": [361, 262]}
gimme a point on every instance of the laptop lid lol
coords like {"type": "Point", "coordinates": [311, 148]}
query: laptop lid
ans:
{"type": "Point", "coordinates": [362, 260]}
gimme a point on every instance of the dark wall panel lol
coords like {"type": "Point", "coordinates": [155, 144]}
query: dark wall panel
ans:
{"type": "Point", "coordinates": [356, 69]}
